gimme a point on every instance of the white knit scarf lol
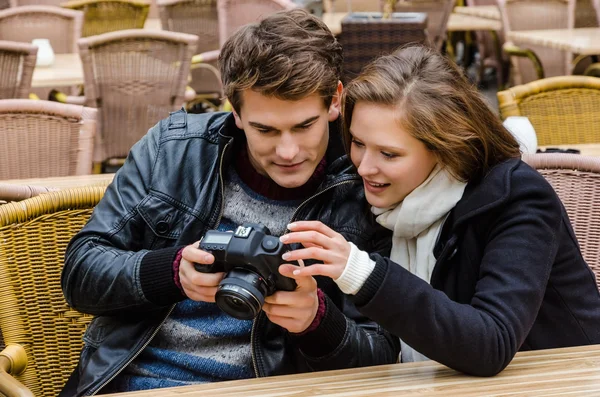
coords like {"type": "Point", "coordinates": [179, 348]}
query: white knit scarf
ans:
{"type": "Point", "coordinates": [416, 223]}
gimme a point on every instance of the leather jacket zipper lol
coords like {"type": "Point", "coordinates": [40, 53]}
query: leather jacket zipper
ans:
{"type": "Point", "coordinates": [255, 321]}
{"type": "Point", "coordinates": [173, 307]}
{"type": "Point", "coordinates": [93, 392]}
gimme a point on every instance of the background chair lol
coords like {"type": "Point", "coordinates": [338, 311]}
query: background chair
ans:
{"type": "Point", "coordinates": [197, 17]}
{"type": "Point", "coordinates": [101, 16]}
{"type": "Point", "coordinates": [367, 35]}
{"type": "Point", "coordinates": [17, 61]}
{"type": "Point", "coordinates": [529, 62]}
{"type": "Point", "coordinates": [233, 14]}
{"type": "Point", "coordinates": [134, 78]}
{"type": "Point", "coordinates": [563, 110]}
{"type": "Point", "coordinates": [438, 12]}
{"type": "Point", "coordinates": [60, 26]}
{"type": "Point", "coordinates": [350, 5]}
{"type": "Point", "coordinates": [43, 139]}
{"type": "Point", "coordinates": [576, 180]}
{"type": "Point", "coordinates": [42, 333]}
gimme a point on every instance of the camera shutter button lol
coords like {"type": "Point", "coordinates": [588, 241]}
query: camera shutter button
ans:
{"type": "Point", "coordinates": [270, 244]}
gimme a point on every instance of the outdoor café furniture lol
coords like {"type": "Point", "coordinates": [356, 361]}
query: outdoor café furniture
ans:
{"type": "Point", "coordinates": [42, 139]}
{"type": "Point", "coordinates": [438, 12]}
{"type": "Point", "coordinates": [18, 61]}
{"type": "Point", "coordinates": [42, 333]}
{"type": "Point", "coordinates": [102, 16]}
{"type": "Point", "coordinates": [235, 13]}
{"type": "Point", "coordinates": [576, 180]}
{"type": "Point", "coordinates": [531, 62]}
{"type": "Point", "coordinates": [563, 110]}
{"type": "Point", "coordinates": [572, 371]}
{"type": "Point", "coordinates": [198, 17]}
{"type": "Point", "coordinates": [134, 78]}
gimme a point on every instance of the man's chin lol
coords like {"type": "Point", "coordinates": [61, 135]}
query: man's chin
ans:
{"type": "Point", "coordinates": [290, 181]}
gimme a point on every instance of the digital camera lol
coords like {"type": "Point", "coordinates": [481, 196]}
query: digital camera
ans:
{"type": "Point", "coordinates": [251, 257]}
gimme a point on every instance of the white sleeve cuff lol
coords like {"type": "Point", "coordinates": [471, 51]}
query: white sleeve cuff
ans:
{"type": "Point", "coordinates": [358, 269]}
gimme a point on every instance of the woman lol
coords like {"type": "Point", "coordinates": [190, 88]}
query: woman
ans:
{"type": "Point", "coordinates": [484, 260]}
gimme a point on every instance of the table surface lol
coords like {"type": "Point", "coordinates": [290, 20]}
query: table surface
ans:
{"type": "Point", "coordinates": [584, 41]}
{"type": "Point", "coordinates": [67, 70]}
{"type": "Point", "coordinates": [65, 182]}
{"type": "Point", "coordinates": [567, 371]}
{"type": "Point", "coordinates": [456, 22]}
{"type": "Point", "coordinates": [586, 149]}
{"type": "Point", "coordinates": [490, 12]}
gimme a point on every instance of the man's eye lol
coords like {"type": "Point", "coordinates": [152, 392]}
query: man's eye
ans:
{"type": "Point", "coordinates": [263, 131]}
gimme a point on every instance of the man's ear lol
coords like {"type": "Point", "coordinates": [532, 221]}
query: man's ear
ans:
{"type": "Point", "coordinates": [336, 103]}
{"type": "Point", "coordinates": [238, 120]}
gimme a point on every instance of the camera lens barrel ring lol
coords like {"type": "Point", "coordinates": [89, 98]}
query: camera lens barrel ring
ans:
{"type": "Point", "coordinates": [239, 299]}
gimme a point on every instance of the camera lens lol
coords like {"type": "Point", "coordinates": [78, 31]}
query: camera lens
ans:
{"type": "Point", "coordinates": [241, 294]}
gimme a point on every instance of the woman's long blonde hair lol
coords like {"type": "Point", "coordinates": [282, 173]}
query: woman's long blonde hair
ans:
{"type": "Point", "coordinates": [436, 105]}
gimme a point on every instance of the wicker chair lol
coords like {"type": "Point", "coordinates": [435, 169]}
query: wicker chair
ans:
{"type": "Point", "coordinates": [102, 16]}
{"type": "Point", "coordinates": [11, 192]}
{"type": "Point", "coordinates": [135, 78]}
{"type": "Point", "coordinates": [43, 139]}
{"type": "Point", "coordinates": [197, 17]}
{"type": "Point", "coordinates": [17, 61]}
{"type": "Point", "coordinates": [233, 14]}
{"type": "Point", "coordinates": [563, 110]}
{"type": "Point", "coordinates": [576, 180]}
{"type": "Point", "coordinates": [530, 62]}
{"type": "Point", "coordinates": [42, 333]}
{"type": "Point", "coordinates": [366, 35]}
{"type": "Point", "coordinates": [438, 12]}
{"type": "Point", "coordinates": [25, 23]}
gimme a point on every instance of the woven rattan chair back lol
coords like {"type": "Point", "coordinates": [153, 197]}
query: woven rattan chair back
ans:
{"type": "Point", "coordinates": [17, 61]}
{"type": "Point", "coordinates": [33, 312]}
{"type": "Point", "coordinates": [586, 14]}
{"type": "Point", "coordinates": [197, 17]}
{"type": "Point", "coordinates": [135, 78]}
{"type": "Point", "coordinates": [563, 110]}
{"type": "Point", "coordinates": [438, 12]}
{"type": "Point", "coordinates": [576, 180]}
{"type": "Point", "coordinates": [538, 15]}
{"type": "Point", "coordinates": [60, 26]}
{"type": "Point", "coordinates": [365, 36]}
{"type": "Point", "coordinates": [102, 16]}
{"type": "Point", "coordinates": [41, 139]}
{"type": "Point", "coordinates": [234, 14]}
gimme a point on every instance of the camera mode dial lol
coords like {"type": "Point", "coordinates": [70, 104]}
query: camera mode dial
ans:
{"type": "Point", "coordinates": [270, 244]}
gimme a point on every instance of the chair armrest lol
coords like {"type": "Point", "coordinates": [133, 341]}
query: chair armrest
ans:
{"type": "Point", "coordinates": [189, 94]}
{"type": "Point", "coordinates": [13, 360]}
{"type": "Point", "coordinates": [512, 50]}
{"type": "Point", "coordinates": [208, 56]}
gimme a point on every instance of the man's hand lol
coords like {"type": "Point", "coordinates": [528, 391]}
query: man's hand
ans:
{"type": "Point", "coordinates": [293, 310]}
{"type": "Point", "coordinates": [196, 285]}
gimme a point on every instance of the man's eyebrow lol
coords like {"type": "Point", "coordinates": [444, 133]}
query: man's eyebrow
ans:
{"type": "Point", "coordinates": [261, 126]}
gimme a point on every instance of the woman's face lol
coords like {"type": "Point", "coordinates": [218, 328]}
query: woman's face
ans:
{"type": "Point", "coordinates": [391, 162]}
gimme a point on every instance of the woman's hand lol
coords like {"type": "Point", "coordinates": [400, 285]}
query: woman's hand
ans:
{"type": "Point", "coordinates": [321, 243]}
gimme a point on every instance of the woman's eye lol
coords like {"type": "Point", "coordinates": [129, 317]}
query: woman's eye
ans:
{"type": "Point", "coordinates": [389, 155]}
{"type": "Point", "coordinates": [357, 143]}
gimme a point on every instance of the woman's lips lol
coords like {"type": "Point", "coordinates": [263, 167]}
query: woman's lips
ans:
{"type": "Point", "coordinates": [375, 187]}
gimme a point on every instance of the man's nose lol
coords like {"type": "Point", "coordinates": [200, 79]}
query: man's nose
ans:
{"type": "Point", "coordinates": [287, 148]}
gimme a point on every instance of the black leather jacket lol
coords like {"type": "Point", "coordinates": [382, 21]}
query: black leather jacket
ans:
{"type": "Point", "coordinates": [167, 195]}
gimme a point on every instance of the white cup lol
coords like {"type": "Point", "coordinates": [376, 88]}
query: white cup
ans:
{"type": "Point", "coordinates": [523, 131]}
{"type": "Point", "coordinates": [45, 54]}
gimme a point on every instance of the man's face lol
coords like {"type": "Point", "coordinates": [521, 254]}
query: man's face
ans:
{"type": "Point", "coordinates": [286, 139]}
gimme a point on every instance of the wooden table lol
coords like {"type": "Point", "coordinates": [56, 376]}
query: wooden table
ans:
{"type": "Point", "coordinates": [65, 182]}
{"type": "Point", "coordinates": [67, 70]}
{"type": "Point", "coordinates": [569, 371]}
{"type": "Point", "coordinates": [489, 12]}
{"type": "Point", "coordinates": [582, 41]}
{"type": "Point", "coordinates": [586, 149]}
{"type": "Point", "coordinates": [456, 22]}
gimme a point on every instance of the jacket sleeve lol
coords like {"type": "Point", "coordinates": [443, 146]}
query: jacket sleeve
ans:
{"type": "Point", "coordinates": [345, 338]}
{"type": "Point", "coordinates": [107, 271]}
{"type": "Point", "coordinates": [482, 337]}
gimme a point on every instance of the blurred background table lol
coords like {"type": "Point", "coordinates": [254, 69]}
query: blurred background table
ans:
{"type": "Point", "coordinates": [489, 12]}
{"type": "Point", "coordinates": [582, 41]}
{"type": "Point", "coordinates": [568, 371]}
{"type": "Point", "coordinates": [586, 149]}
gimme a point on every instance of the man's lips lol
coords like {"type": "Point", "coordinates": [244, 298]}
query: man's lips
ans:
{"type": "Point", "coordinates": [289, 165]}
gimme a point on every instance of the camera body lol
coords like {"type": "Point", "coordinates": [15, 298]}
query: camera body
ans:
{"type": "Point", "coordinates": [251, 257]}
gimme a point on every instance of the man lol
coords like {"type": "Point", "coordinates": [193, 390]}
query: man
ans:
{"type": "Point", "coordinates": [276, 158]}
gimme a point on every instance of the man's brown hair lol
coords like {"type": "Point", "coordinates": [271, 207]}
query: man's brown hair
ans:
{"type": "Point", "coordinates": [436, 105]}
{"type": "Point", "coordinates": [289, 55]}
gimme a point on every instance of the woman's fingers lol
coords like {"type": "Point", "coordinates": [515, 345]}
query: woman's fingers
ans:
{"type": "Point", "coordinates": [317, 226]}
{"type": "Point", "coordinates": [292, 271]}
{"type": "Point", "coordinates": [319, 254]}
{"type": "Point", "coordinates": [307, 238]}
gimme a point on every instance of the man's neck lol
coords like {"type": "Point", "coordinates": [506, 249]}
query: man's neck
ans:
{"type": "Point", "coordinates": [266, 187]}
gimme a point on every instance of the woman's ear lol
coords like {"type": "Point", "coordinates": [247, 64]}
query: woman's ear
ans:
{"type": "Point", "coordinates": [336, 103]}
